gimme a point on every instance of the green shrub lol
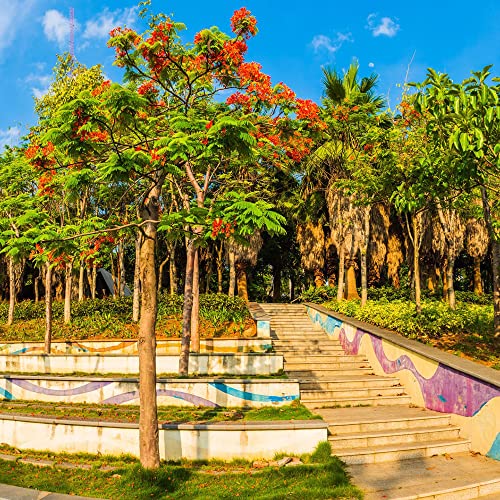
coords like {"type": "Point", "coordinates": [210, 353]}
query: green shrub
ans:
{"type": "Point", "coordinates": [435, 320]}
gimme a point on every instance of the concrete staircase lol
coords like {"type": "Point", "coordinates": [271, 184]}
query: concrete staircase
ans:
{"type": "Point", "coordinates": [371, 420]}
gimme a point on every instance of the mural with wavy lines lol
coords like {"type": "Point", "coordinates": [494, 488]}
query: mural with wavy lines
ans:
{"type": "Point", "coordinates": [441, 388]}
{"type": "Point", "coordinates": [190, 392]}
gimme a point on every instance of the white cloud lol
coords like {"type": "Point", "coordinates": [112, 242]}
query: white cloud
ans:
{"type": "Point", "coordinates": [11, 15]}
{"type": "Point", "coordinates": [385, 26]}
{"type": "Point", "coordinates": [371, 65]}
{"type": "Point", "coordinates": [323, 43]}
{"type": "Point", "coordinates": [100, 25]}
{"type": "Point", "coordinates": [39, 84]}
{"type": "Point", "coordinates": [56, 27]}
{"type": "Point", "coordinates": [9, 137]}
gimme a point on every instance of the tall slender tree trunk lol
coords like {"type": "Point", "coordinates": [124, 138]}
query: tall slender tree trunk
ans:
{"type": "Point", "coordinates": [450, 290]}
{"type": "Point", "coordinates": [478, 280]}
{"type": "Point", "coordinates": [67, 292]}
{"type": "Point", "coordinates": [195, 311]}
{"type": "Point", "coordinates": [291, 289]}
{"type": "Point", "coordinates": [495, 261]}
{"type": "Point", "coordinates": [416, 265]}
{"type": "Point", "coordinates": [12, 291]}
{"type": "Point", "coordinates": [340, 289]}
{"type": "Point", "coordinates": [241, 278]}
{"type": "Point", "coordinates": [36, 286]}
{"type": "Point", "coordinates": [121, 269]}
{"type": "Point", "coordinates": [172, 270]}
{"type": "Point", "coordinates": [81, 282]}
{"type": "Point", "coordinates": [351, 291]}
{"type": "Point", "coordinates": [220, 266]}
{"type": "Point", "coordinates": [136, 298]}
{"type": "Point", "coordinates": [232, 273]}
{"type": "Point", "coordinates": [164, 262]}
{"type": "Point", "coordinates": [48, 308]}
{"type": "Point", "coordinates": [187, 310]}
{"type": "Point", "coordinates": [364, 277]}
{"type": "Point", "coordinates": [93, 282]}
{"type": "Point", "coordinates": [148, 416]}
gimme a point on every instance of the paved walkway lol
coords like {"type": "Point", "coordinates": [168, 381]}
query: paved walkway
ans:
{"type": "Point", "coordinates": [8, 492]}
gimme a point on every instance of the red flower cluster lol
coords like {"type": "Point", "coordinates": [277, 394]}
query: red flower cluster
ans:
{"type": "Point", "coordinates": [239, 99]}
{"type": "Point", "coordinates": [44, 183]}
{"type": "Point", "coordinates": [101, 88]}
{"type": "Point", "coordinates": [147, 88]}
{"type": "Point", "coordinates": [219, 226]}
{"type": "Point", "coordinates": [258, 83]}
{"type": "Point", "coordinates": [161, 33]}
{"type": "Point", "coordinates": [243, 23]}
{"type": "Point", "coordinates": [307, 110]}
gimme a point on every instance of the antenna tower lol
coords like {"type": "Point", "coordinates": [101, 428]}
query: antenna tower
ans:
{"type": "Point", "coordinates": [72, 32]}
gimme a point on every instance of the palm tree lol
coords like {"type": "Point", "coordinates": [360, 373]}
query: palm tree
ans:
{"type": "Point", "coordinates": [350, 98]}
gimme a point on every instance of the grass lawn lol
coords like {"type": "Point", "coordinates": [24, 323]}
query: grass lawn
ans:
{"type": "Point", "coordinates": [168, 414]}
{"type": "Point", "coordinates": [321, 477]}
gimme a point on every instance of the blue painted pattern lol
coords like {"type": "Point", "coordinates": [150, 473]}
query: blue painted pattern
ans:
{"type": "Point", "coordinates": [251, 396]}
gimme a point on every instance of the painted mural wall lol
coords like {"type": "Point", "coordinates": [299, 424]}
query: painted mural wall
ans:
{"type": "Point", "coordinates": [473, 404]}
{"type": "Point", "coordinates": [211, 393]}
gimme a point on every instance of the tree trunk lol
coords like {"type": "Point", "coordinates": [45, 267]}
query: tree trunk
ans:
{"type": "Point", "coordinates": [93, 282]}
{"type": "Point", "coordinates": [12, 292]}
{"type": "Point", "coordinates": [351, 292]}
{"type": "Point", "coordinates": [160, 272]}
{"type": "Point", "coordinates": [48, 308]}
{"type": "Point", "coordinates": [478, 281]}
{"type": "Point", "coordinates": [187, 310]}
{"type": "Point", "coordinates": [195, 311]}
{"type": "Point", "coordinates": [172, 271]}
{"type": "Point", "coordinates": [495, 260]}
{"type": "Point", "coordinates": [232, 273]}
{"type": "Point", "coordinates": [241, 278]}
{"type": "Point", "coordinates": [67, 292]}
{"type": "Point", "coordinates": [364, 277]}
{"type": "Point", "coordinates": [136, 299]}
{"type": "Point", "coordinates": [220, 266]}
{"type": "Point", "coordinates": [291, 289]}
{"type": "Point", "coordinates": [450, 291]}
{"type": "Point", "coordinates": [416, 265]}
{"type": "Point", "coordinates": [114, 277]}
{"type": "Point", "coordinates": [277, 283]}
{"type": "Point", "coordinates": [36, 286]}
{"type": "Point", "coordinates": [81, 282]}
{"type": "Point", "coordinates": [319, 278]}
{"type": "Point", "coordinates": [121, 269]}
{"type": "Point", "coordinates": [340, 289]}
{"type": "Point", "coordinates": [148, 416]}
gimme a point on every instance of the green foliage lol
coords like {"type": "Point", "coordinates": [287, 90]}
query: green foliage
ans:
{"type": "Point", "coordinates": [435, 320]}
{"type": "Point", "coordinates": [322, 454]}
{"type": "Point", "coordinates": [318, 295]}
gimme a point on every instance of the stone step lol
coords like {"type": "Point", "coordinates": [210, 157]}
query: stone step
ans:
{"type": "Point", "coordinates": [381, 418]}
{"type": "Point", "coordinates": [327, 372]}
{"type": "Point", "coordinates": [350, 392]}
{"type": "Point", "coordinates": [395, 452]}
{"type": "Point", "coordinates": [387, 437]}
{"type": "Point", "coordinates": [349, 382]}
{"type": "Point", "coordinates": [313, 350]}
{"type": "Point", "coordinates": [450, 477]}
{"type": "Point", "coordinates": [337, 363]}
{"type": "Point", "coordinates": [321, 359]}
{"type": "Point", "coordinates": [355, 402]}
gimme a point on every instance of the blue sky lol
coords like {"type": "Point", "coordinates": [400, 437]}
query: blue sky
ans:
{"type": "Point", "coordinates": [296, 39]}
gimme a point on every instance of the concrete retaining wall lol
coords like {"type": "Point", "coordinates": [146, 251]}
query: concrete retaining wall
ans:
{"type": "Point", "coordinates": [434, 379]}
{"type": "Point", "coordinates": [203, 364]}
{"type": "Point", "coordinates": [171, 392]}
{"type": "Point", "coordinates": [226, 441]}
{"type": "Point", "coordinates": [218, 345]}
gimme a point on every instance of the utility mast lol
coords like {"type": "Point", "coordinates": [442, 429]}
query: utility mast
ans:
{"type": "Point", "coordinates": [72, 32]}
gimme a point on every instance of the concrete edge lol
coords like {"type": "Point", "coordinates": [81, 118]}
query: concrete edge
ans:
{"type": "Point", "coordinates": [111, 355]}
{"type": "Point", "coordinates": [129, 341]}
{"type": "Point", "coordinates": [203, 380]}
{"type": "Point", "coordinates": [471, 368]}
{"type": "Point", "coordinates": [257, 313]}
{"type": "Point", "coordinates": [215, 426]}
